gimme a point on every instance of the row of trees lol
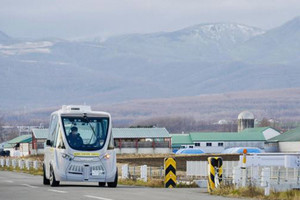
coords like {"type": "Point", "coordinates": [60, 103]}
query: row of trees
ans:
{"type": "Point", "coordinates": [1, 130]}
{"type": "Point", "coordinates": [7, 133]}
{"type": "Point", "coordinates": [189, 124]}
{"type": "Point", "coordinates": [186, 124]}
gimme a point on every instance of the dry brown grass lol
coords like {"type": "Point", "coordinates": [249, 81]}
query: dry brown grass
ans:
{"type": "Point", "coordinates": [151, 183]}
{"type": "Point", "coordinates": [154, 183]}
{"type": "Point", "coordinates": [25, 170]}
{"type": "Point", "coordinates": [255, 192]}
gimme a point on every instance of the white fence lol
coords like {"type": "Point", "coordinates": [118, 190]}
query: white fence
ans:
{"type": "Point", "coordinates": [143, 172]}
{"type": "Point", "coordinates": [20, 163]}
{"type": "Point", "coordinates": [273, 159]}
{"type": "Point", "coordinates": [199, 168]}
{"type": "Point", "coordinates": [282, 170]}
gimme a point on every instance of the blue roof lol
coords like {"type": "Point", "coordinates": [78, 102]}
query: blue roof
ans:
{"type": "Point", "coordinates": [241, 149]}
{"type": "Point", "coordinates": [189, 151]}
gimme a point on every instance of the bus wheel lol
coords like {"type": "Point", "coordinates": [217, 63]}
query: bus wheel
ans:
{"type": "Point", "coordinates": [53, 181]}
{"type": "Point", "coordinates": [101, 184]}
{"type": "Point", "coordinates": [115, 183]}
{"type": "Point", "coordinates": [45, 180]}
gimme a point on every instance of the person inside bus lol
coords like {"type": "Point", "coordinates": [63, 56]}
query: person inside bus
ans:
{"type": "Point", "coordinates": [74, 138]}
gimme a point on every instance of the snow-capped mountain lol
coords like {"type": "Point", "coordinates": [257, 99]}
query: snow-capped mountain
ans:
{"type": "Point", "coordinates": [201, 42]}
{"type": "Point", "coordinates": [279, 45]}
{"type": "Point", "coordinates": [202, 59]}
{"type": "Point", "coordinates": [230, 32]}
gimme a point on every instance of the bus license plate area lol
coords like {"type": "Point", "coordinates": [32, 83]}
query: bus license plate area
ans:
{"type": "Point", "coordinates": [96, 173]}
{"type": "Point", "coordinates": [97, 170]}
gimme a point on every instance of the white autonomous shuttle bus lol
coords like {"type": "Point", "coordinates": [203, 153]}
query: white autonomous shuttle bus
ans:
{"type": "Point", "coordinates": [80, 147]}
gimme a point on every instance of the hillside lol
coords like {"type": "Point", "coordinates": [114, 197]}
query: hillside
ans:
{"type": "Point", "coordinates": [198, 60]}
{"type": "Point", "coordinates": [280, 105]}
{"type": "Point", "coordinates": [280, 45]}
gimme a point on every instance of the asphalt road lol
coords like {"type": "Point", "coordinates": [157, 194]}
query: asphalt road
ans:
{"type": "Point", "coordinates": [19, 186]}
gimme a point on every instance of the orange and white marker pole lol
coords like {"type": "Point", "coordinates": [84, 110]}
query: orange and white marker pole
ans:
{"type": "Point", "coordinates": [244, 169]}
{"type": "Point", "coordinates": [244, 158]}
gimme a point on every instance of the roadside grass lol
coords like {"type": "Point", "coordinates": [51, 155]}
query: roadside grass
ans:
{"type": "Point", "coordinates": [25, 170]}
{"type": "Point", "coordinates": [255, 193]}
{"type": "Point", "coordinates": [35, 157]}
{"type": "Point", "coordinates": [153, 183]}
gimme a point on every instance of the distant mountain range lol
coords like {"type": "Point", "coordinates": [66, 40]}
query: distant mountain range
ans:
{"type": "Point", "coordinates": [202, 59]}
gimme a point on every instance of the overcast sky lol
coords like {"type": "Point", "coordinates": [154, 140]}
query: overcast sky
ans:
{"type": "Point", "coordinates": [71, 19]}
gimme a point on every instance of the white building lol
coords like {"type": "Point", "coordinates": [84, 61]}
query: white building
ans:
{"type": "Point", "coordinates": [141, 140]}
{"type": "Point", "coordinates": [216, 142]}
{"type": "Point", "coordinates": [39, 137]}
{"type": "Point", "coordinates": [288, 142]}
{"type": "Point", "coordinates": [19, 146]}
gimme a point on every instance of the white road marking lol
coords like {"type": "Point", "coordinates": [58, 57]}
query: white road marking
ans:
{"type": "Point", "coordinates": [7, 181]}
{"type": "Point", "coordinates": [31, 186]}
{"type": "Point", "coordinates": [58, 191]}
{"type": "Point", "coordinates": [94, 197]}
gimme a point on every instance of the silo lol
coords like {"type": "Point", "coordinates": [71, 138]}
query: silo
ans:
{"type": "Point", "coordinates": [245, 120]}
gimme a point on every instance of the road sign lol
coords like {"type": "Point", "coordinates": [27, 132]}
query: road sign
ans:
{"type": "Point", "coordinates": [215, 172]}
{"type": "Point", "coordinates": [170, 172]}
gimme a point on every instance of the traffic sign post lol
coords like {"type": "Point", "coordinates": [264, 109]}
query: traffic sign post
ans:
{"type": "Point", "coordinates": [170, 172]}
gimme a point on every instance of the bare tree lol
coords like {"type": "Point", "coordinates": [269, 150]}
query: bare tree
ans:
{"type": "Point", "coordinates": [7, 133]}
{"type": "Point", "coordinates": [1, 130]}
{"type": "Point", "coordinates": [264, 123]}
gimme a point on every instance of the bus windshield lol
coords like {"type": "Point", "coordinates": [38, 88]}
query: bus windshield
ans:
{"type": "Point", "coordinates": [85, 133]}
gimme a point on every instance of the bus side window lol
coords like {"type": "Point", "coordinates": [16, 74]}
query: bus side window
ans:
{"type": "Point", "coordinates": [60, 144]}
{"type": "Point", "coordinates": [104, 127]}
{"type": "Point", "coordinates": [56, 135]}
{"type": "Point", "coordinates": [52, 129]}
{"type": "Point", "coordinates": [111, 142]}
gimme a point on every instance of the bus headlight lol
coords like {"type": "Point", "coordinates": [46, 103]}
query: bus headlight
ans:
{"type": "Point", "coordinates": [66, 156]}
{"type": "Point", "coordinates": [106, 156]}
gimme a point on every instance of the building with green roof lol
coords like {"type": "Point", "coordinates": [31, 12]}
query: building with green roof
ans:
{"type": "Point", "coordinates": [19, 146]}
{"type": "Point", "coordinates": [288, 142]}
{"type": "Point", "coordinates": [216, 142]}
{"type": "Point", "coordinates": [18, 140]}
{"type": "Point", "coordinates": [129, 133]}
{"type": "Point", "coordinates": [39, 137]}
{"type": "Point", "coordinates": [179, 140]}
{"type": "Point", "coordinates": [141, 140]}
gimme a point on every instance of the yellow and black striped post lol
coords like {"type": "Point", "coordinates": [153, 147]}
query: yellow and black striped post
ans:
{"type": "Point", "coordinates": [170, 172]}
{"type": "Point", "coordinates": [215, 172]}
